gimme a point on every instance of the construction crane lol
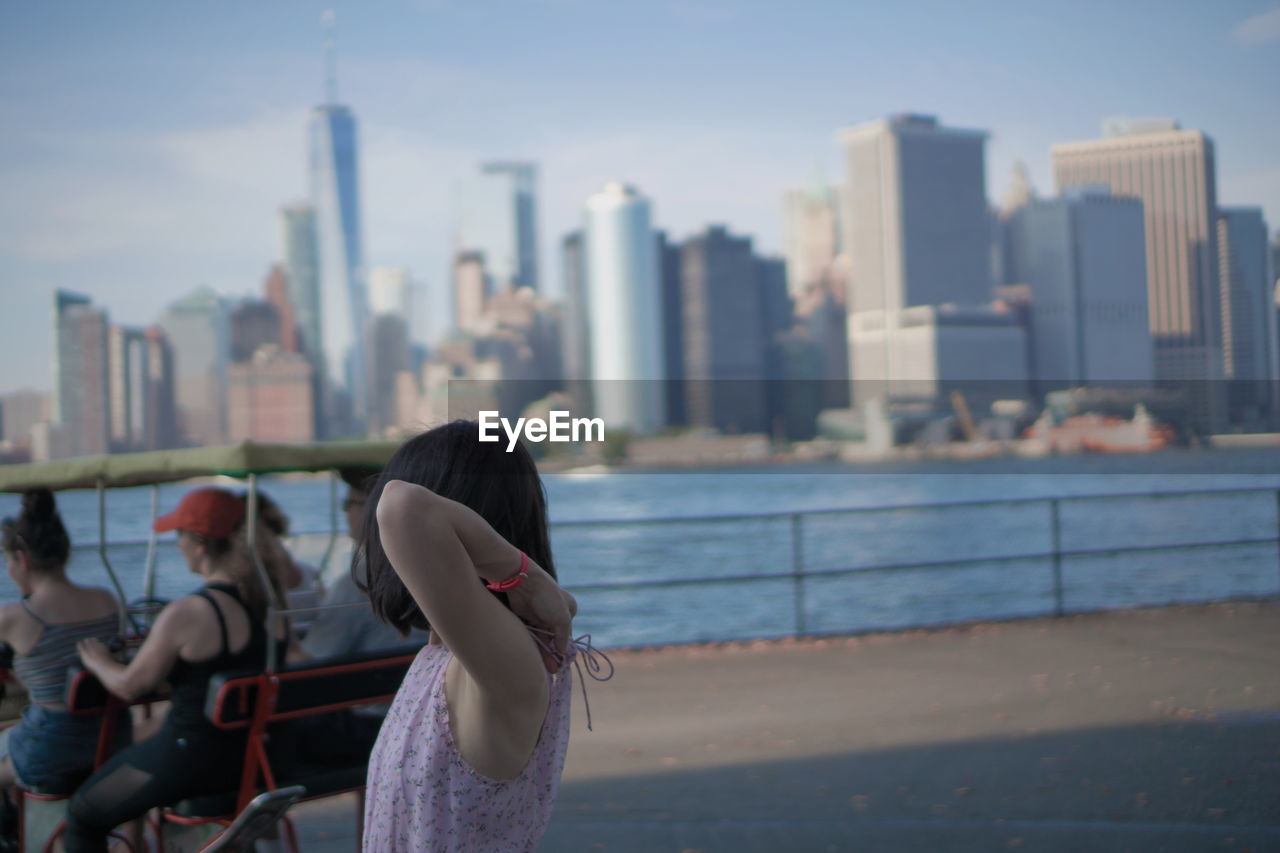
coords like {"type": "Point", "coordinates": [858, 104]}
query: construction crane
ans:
{"type": "Point", "coordinates": [961, 406]}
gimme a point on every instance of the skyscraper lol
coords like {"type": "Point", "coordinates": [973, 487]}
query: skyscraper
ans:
{"type": "Point", "coordinates": [302, 266]}
{"type": "Point", "coordinates": [625, 305]}
{"type": "Point", "coordinates": [1172, 171]}
{"type": "Point", "coordinates": [160, 415]}
{"type": "Point", "coordinates": [1083, 258]}
{"type": "Point", "coordinates": [198, 331]}
{"type": "Point", "coordinates": [917, 234]}
{"type": "Point", "coordinates": [81, 404]}
{"type": "Point", "coordinates": [127, 353]}
{"type": "Point", "coordinates": [471, 291]}
{"type": "Point", "coordinates": [499, 218]}
{"type": "Point", "coordinates": [335, 194]}
{"type": "Point", "coordinates": [276, 289]}
{"type": "Point", "coordinates": [269, 397]}
{"type": "Point", "coordinates": [724, 343]}
{"type": "Point", "coordinates": [1248, 318]}
{"type": "Point", "coordinates": [811, 239]}
{"type": "Point", "coordinates": [916, 214]}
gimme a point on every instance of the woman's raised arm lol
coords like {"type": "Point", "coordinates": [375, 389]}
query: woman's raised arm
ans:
{"type": "Point", "coordinates": [440, 549]}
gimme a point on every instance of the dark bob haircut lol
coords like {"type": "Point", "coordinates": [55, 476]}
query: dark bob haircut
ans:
{"type": "Point", "coordinates": [502, 488]}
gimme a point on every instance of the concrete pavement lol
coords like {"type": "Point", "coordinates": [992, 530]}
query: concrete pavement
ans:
{"type": "Point", "coordinates": [1141, 730]}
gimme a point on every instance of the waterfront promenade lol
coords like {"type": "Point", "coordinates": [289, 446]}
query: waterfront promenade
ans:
{"type": "Point", "coordinates": [1143, 730]}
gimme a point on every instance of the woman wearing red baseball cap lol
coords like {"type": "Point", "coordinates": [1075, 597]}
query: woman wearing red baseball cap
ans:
{"type": "Point", "coordinates": [220, 627]}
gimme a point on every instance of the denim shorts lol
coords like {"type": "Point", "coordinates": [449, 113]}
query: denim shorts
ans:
{"type": "Point", "coordinates": [53, 751]}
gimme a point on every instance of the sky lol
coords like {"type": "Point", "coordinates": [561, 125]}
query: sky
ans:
{"type": "Point", "coordinates": [147, 147]}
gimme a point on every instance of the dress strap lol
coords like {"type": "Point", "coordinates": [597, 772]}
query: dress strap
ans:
{"type": "Point", "coordinates": [580, 651]}
{"type": "Point", "coordinates": [34, 615]}
{"type": "Point", "coordinates": [222, 623]}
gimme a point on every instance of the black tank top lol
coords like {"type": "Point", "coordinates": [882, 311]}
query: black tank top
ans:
{"type": "Point", "coordinates": [190, 681]}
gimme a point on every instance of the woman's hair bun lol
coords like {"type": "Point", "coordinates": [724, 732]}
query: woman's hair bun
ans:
{"type": "Point", "coordinates": [38, 505]}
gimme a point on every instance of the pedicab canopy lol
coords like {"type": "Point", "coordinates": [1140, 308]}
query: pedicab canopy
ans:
{"type": "Point", "coordinates": [167, 466]}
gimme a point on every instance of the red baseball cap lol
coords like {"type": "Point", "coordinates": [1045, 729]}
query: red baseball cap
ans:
{"type": "Point", "coordinates": [212, 512]}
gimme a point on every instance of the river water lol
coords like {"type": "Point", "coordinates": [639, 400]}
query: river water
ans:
{"type": "Point", "coordinates": [644, 582]}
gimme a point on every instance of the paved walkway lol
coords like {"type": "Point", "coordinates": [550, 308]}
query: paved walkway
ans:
{"type": "Point", "coordinates": [1144, 731]}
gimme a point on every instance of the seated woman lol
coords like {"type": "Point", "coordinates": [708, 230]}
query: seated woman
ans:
{"type": "Point", "coordinates": [50, 750]}
{"type": "Point", "coordinates": [220, 627]}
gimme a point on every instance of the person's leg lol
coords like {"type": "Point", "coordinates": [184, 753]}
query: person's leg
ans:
{"type": "Point", "coordinates": [163, 769]}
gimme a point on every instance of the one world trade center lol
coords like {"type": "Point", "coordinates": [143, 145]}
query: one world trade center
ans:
{"type": "Point", "coordinates": [335, 196]}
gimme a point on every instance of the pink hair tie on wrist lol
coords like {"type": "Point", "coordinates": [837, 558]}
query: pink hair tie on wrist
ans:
{"type": "Point", "coordinates": [511, 583]}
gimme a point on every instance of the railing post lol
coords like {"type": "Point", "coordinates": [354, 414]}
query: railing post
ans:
{"type": "Point", "coordinates": [1278, 530]}
{"type": "Point", "coordinates": [797, 572]}
{"type": "Point", "coordinates": [1055, 520]}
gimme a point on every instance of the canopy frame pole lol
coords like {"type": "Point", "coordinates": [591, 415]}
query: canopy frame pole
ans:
{"type": "Point", "coordinates": [333, 525]}
{"type": "Point", "coordinates": [149, 572]}
{"type": "Point", "coordinates": [273, 606]}
{"type": "Point", "coordinates": [102, 551]}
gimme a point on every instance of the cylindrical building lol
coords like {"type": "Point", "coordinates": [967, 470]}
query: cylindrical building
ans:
{"type": "Point", "coordinates": [624, 307]}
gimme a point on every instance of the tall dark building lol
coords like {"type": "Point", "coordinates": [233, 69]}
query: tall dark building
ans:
{"type": "Point", "coordinates": [254, 323]}
{"type": "Point", "coordinates": [575, 335]}
{"type": "Point", "coordinates": [160, 408]}
{"type": "Point", "coordinates": [724, 347]}
{"type": "Point", "coordinates": [672, 330]}
{"type": "Point", "coordinates": [389, 340]}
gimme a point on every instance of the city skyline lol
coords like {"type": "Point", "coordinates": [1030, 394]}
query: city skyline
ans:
{"type": "Point", "coordinates": [75, 159]}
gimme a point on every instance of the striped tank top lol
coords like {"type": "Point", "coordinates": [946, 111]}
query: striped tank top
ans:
{"type": "Point", "coordinates": [43, 670]}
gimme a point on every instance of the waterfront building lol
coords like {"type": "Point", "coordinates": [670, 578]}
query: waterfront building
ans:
{"type": "Point", "coordinates": [81, 404]}
{"type": "Point", "coordinates": [1171, 170]}
{"type": "Point", "coordinates": [388, 357]}
{"type": "Point", "coordinates": [926, 352]}
{"type": "Point", "coordinates": [471, 291]}
{"type": "Point", "coordinates": [1249, 345]}
{"type": "Point", "coordinates": [674, 386]}
{"type": "Point", "coordinates": [499, 218]}
{"type": "Point", "coordinates": [160, 414]}
{"type": "Point", "coordinates": [269, 398]}
{"type": "Point", "coordinates": [276, 288]}
{"type": "Point", "coordinates": [917, 234]}
{"type": "Point", "coordinates": [127, 353]}
{"type": "Point", "coordinates": [724, 340]}
{"type": "Point", "coordinates": [19, 412]}
{"type": "Point", "coordinates": [575, 336]}
{"type": "Point", "coordinates": [625, 309]}
{"type": "Point", "coordinates": [810, 238]}
{"type": "Point", "coordinates": [253, 323]}
{"type": "Point", "coordinates": [198, 331]}
{"type": "Point", "coordinates": [1083, 260]}
{"type": "Point", "coordinates": [915, 214]}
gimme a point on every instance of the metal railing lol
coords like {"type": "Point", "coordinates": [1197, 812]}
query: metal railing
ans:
{"type": "Point", "coordinates": [1055, 557]}
{"type": "Point", "coordinates": [799, 575]}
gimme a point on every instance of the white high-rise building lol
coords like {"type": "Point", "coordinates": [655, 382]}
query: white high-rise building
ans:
{"type": "Point", "coordinates": [198, 330]}
{"type": "Point", "coordinates": [918, 235]}
{"type": "Point", "coordinates": [1083, 258]}
{"type": "Point", "coordinates": [391, 292]}
{"type": "Point", "coordinates": [625, 310]}
{"type": "Point", "coordinates": [915, 214]}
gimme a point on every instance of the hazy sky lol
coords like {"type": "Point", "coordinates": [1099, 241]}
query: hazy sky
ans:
{"type": "Point", "coordinates": [147, 146]}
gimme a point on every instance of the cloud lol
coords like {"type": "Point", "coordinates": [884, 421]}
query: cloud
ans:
{"type": "Point", "coordinates": [1259, 29]}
